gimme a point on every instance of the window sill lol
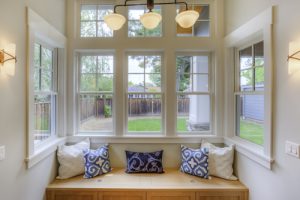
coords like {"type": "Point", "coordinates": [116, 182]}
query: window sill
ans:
{"type": "Point", "coordinates": [251, 151]}
{"type": "Point", "coordinates": [134, 139]}
{"type": "Point", "coordinates": [44, 151]}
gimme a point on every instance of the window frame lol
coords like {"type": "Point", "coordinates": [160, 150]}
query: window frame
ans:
{"type": "Point", "coordinates": [162, 93]}
{"type": "Point", "coordinates": [40, 31]}
{"type": "Point", "coordinates": [169, 49]}
{"type": "Point", "coordinates": [78, 93]}
{"type": "Point", "coordinates": [210, 93]}
{"type": "Point", "coordinates": [259, 28]}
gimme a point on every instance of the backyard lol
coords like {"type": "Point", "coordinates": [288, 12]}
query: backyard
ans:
{"type": "Point", "coordinates": [248, 130]}
{"type": "Point", "coordinates": [252, 131]}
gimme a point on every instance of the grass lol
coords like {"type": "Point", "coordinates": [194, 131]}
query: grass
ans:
{"type": "Point", "coordinates": [41, 123]}
{"type": "Point", "coordinates": [146, 124]}
{"type": "Point", "coordinates": [252, 132]}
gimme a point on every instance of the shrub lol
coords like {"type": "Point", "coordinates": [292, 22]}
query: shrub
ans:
{"type": "Point", "coordinates": [107, 111]}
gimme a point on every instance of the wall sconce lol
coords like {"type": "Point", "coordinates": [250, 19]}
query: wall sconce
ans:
{"type": "Point", "coordinates": [293, 56]}
{"type": "Point", "coordinates": [8, 59]}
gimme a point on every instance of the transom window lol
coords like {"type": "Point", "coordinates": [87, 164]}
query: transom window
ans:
{"type": "Point", "coordinates": [45, 83]}
{"type": "Point", "coordinates": [201, 28]}
{"type": "Point", "coordinates": [92, 21]}
{"type": "Point", "coordinates": [193, 93]}
{"type": "Point", "coordinates": [96, 92]}
{"type": "Point", "coordinates": [144, 90]}
{"type": "Point", "coordinates": [250, 93]}
{"type": "Point", "coordinates": [136, 28]}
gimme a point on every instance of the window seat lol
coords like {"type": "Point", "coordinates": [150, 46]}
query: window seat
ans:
{"type": "Point", "coordinates": [172, 185]}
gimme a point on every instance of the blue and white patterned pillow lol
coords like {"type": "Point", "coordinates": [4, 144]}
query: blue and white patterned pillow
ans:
{"type": "Point", "coordinates": [194, 161]}
{"type": "Point", "coordinates": [139, 162]}
{"type": "Point", "coordinates": [96, 161]}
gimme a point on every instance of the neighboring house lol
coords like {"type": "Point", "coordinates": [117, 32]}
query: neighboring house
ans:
{"type": "Point", "coordinates": [253, 105]}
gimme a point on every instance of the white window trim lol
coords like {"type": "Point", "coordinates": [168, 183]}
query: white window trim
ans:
{"type": "Point", "coordinates": [260, 26]}
{"type": "Point", "coordinates": [40, 30]}
{"type": "Point", "coordinates": [95, 53]}
{"type": "Point", "coordinates": [169, 48]}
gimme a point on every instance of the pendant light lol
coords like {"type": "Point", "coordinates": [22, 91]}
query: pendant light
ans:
{"type": "Point", "coordinates": [151, 20]}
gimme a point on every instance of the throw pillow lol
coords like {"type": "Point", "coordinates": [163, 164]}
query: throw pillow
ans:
{"type": "Point", "coordinates": [96, 161]}
{"type": "Point", "coordinates": [220, 161]}
{"type": "Point", "coordinates": [194, 161]}
{"type": "Point", "coordinates": [142, 162]}
{"type": "Point", "coordinates": [70, 158]}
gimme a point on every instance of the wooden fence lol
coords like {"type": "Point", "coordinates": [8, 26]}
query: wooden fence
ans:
{"type": "Point", "coordinates": [94, 107]}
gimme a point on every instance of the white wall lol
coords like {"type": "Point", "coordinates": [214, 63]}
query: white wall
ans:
{"type": "Point", "coordinates": [17, 182]}
{"type": "Point", "coordinates": [283, 181]}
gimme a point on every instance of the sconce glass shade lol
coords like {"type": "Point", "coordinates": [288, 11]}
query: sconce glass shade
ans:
{"type": "Point", "coordinates": [187, 19]}
{"type": "Point", "coordinates": [114, 21]}
{"type": "Point", "coordinates": [10, 65]}
{"type": "Point", "coordinates": [150, 20]}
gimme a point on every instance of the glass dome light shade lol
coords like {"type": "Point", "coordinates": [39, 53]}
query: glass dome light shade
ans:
{"type": "Point", "coordinates": [150, 20]}
{"type": "Point", "coordinates": [114, 21]}
{"type": "Point", "coordinates": [187, 19]}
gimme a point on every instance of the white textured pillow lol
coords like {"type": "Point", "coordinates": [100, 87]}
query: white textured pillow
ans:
{"type": "Point", "coordinates": [220, 161]}
{"type": "Point", "coordinates": [70, 158]}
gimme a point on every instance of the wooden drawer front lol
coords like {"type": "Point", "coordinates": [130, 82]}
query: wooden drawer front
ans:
{"type": "Point", "coordinates": [71, 195]}
{"type": "Point", "coordinates": [171, 195]}
{"type": "Point", "coordinates": [120, 195]}
{"type": "Point", "coordinates": [228, 195]}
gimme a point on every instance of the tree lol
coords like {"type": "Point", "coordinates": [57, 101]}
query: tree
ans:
{"type": "Point", "coordinates": [259, 73]}
{"type": "Point", "coordinates": [183, 65]}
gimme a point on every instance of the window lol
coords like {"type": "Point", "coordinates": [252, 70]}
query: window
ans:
{"type": "Point", "coordinates": [136, 28]}
{"type": "Point", "coordinates": [193, 93]}
{"type": "Point", "coordinates": [96, 91]}
{"type": "Point", "coordinates": [45, 94]}
{"type": "Point", "coordinates": [45, 89]}
{"type": "Point", "coordinates": [202, 27]}
{"type": "Point", "coordinates": [250, 94]}
{"type": "Point", "coordinates": [144, 93]}
{"type": "Point", "coordinates": [92, 21]}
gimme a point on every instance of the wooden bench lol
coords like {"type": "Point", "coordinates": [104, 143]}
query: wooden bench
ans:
{"type": "Point", "coordinates": [172, 185]}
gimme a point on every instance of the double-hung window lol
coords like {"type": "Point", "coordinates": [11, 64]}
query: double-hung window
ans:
{"type": "Point", "coordinates": [92, 21]}
{"type": "Point", "coordinates": [45, 92]}
{"type": "Point", "coordinates": [144, 91]}
{"type": "Point", "coordinates": [194, 93]}
{"type": "Point", "coordinates": [96, 92]}
{"type": "Point", "coordinates": [249, 95]}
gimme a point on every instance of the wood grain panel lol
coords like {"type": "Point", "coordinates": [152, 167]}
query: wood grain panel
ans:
{"type": "Point", "coordinates": [171, 195]}
{"type": "Point", "coordinates": [72, 195]}
{"type": "Point", "coordinates": [222, 195]}
{"type": "Point", "coordinates": [121, 195]}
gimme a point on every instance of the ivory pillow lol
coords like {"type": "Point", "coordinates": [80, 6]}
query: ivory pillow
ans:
{"type": "Point", "coordinates": [220, 161]}
{"type": "Point", "coordinates": [71, 160]}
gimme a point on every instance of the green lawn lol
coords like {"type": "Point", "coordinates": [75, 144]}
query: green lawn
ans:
{"type": "Point", "coordinates": [252, 132]}
{"type": "Point", "coordinates": [248, 130]}
{"type": "Point", "coordinates": [41, 123]}
{"type": "Point", "coordinates": [148, 124]}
